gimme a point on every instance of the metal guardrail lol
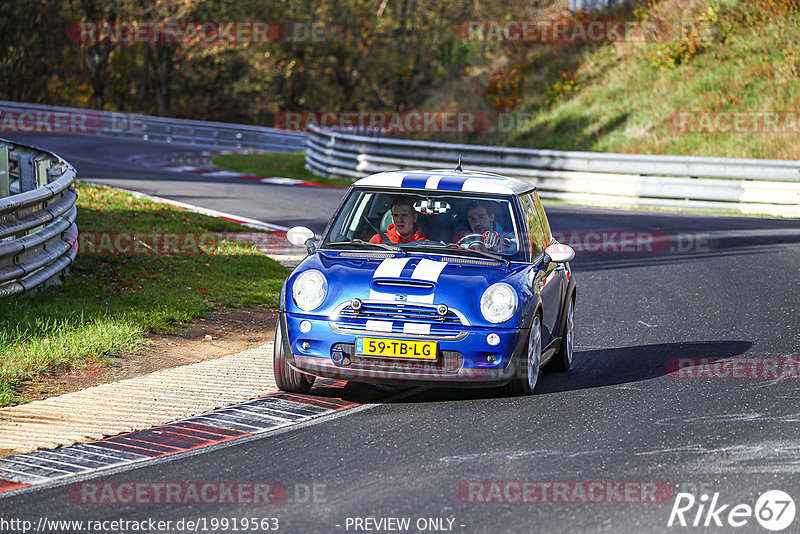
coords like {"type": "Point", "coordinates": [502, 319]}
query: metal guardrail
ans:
{"type": "Point", "coordinates": [749, 186]}
{"type": "Point", "coordinates": [38, 235]}
{"type": "Point", "coordinates": [23, 117]}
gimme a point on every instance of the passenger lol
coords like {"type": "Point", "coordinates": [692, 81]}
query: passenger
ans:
{"type": "Point", "coordinates": [404, 228]}
{"type": "Point", "coordinates": [484, 229]}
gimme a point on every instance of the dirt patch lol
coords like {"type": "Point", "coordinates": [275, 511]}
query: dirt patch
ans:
{"type": "Point", "coordinates": [230, 331]}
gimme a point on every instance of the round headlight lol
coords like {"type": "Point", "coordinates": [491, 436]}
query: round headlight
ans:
{"type": "Point", "coordinates": [309, 290]}
{"type": "Point", "coordinates": [498, 303]}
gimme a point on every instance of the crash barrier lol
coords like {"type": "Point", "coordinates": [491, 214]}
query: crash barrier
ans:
{"type": "Point", "coordinates": [23, 117]}
{"type": "Point", "coordinates": [38, 235]}
{"type": "Point", "coordinates": [748, 186]}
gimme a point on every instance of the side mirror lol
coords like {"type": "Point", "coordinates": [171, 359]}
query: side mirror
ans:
{"type": "Point", "coordinates": [559, 253]}
{"type": "Point", "coordinates": [301, 236]}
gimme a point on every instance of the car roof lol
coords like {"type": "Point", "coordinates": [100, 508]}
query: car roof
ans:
{"type": "Point", "coordinates": [448, 180]}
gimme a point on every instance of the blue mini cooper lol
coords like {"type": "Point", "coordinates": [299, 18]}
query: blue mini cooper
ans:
{"type": "Point", "coordinates": [445, 278]}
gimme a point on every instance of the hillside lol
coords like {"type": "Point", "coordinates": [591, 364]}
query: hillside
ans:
{"type": "Point", "coordinates": [721, 80]}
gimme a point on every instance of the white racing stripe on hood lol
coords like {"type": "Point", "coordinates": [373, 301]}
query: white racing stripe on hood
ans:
{"type": "Point", "coordinates": [426, 270]}
{"type": "Point", "coordinates": [389, 268]}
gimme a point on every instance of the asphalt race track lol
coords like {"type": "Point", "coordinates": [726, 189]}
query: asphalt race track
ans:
{"type": "Point", "coordinates": [628, 425]}
{"type": "Point", "coordinates": [107, 160]}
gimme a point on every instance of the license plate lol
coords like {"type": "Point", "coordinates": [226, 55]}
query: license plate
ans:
{"type": "Point", "coordinates": [395, 348]}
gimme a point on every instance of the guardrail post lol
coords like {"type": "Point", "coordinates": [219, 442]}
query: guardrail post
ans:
{"type": "Point", "coordinates": [27, 178]}
{"type": "Point", "coordinates": [5, 178]}
{"type": "Point", "coordinates": [41, 167]}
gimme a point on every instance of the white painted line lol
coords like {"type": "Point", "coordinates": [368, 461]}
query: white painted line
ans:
{"type": "Point", "coordinates": [223, 174]}
{"type": "Point", "coordinates": [280, 181]}
{"type": "Point", "coordinates": [180, 168]}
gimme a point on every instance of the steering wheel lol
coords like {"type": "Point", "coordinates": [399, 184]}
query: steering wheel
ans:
{"type": "Point", "coordinates": [478, 241]}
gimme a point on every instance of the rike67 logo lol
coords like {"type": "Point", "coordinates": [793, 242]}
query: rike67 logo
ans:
{"type": "Point", "coordinates": [774, 510]}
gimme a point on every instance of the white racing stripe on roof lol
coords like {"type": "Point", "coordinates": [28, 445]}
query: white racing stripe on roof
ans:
{"type": "Point", "coordinates": [433, 182]}
{"type": "Point", "coordinates": [385, 179]}
{"type": "Point", "coordinates": [479, 185]}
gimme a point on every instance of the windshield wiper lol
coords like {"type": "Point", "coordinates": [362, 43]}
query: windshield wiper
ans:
{"type": "Point", "coordinates": [367, 243]}
{"type": "Point", "coordinates": [474, 251]}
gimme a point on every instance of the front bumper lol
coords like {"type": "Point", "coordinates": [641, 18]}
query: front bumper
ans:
{"type": "Point", "coordinates": [462, 359]}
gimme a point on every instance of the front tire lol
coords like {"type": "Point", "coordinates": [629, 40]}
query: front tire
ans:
{"type": "Point", "coordinates": [286, 378]}
{"type": "Point", "coordinates": [528, 372]}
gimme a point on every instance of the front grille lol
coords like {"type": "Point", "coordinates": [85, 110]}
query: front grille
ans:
{"type": "Point", "coordinates": [447, 361]}
{"type": "Point", "coordinates": [390, 311]}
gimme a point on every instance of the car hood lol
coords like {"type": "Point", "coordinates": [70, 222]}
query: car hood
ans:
{"type": "Point", "coordinates": [458, 282]}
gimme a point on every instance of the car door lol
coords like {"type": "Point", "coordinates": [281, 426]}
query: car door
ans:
{"type": "Point", "coordinates": [547, 281]}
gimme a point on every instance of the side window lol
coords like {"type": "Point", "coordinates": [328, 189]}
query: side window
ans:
{"type": "Point", "coordinates": [543, 218]}
{"type": "Point", "coordinates": [532, 223]}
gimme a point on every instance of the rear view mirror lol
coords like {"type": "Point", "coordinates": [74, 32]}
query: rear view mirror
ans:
{"type": "Point", "coordinates": [431, 207]}
{"type": "Point", "coordinates": [560, 253]}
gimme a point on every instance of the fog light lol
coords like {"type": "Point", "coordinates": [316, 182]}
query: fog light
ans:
{"type": "Point", "coordinates": [441, 309]}
{"type": "Point", "coordinates": [306, 345]}
{"type": "Point", "coordinates": [355, 304]}
{"type": "Point", "coordinates": [490, 358]}
{"type": "Point", "coordinates": [305, 326]}
{"type": "Point", "coordinates": [493, 339]}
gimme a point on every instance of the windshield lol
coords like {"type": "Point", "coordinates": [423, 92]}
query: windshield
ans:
{"type": "Point", "coordinates": [426, 222]}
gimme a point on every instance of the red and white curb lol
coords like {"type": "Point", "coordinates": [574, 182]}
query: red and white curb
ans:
{"type": "Point", "coordinates": [199, 163]}
{"type": "Point", "coordinates": [258, 416]}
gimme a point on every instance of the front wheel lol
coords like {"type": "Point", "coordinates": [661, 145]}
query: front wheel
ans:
{"type": "Point", "coordinates": [528, 372]}
{"type": "Point", "coordinates": [286, 378]}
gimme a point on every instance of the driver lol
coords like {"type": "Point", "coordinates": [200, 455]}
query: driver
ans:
{"type": "Point", "coordinates": [485, 230]}
{"type": "Point", "coordinates": [404, 227]}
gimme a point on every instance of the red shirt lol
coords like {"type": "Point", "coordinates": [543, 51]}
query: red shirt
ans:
{"type": "Point", "coordinates": [394, 237]}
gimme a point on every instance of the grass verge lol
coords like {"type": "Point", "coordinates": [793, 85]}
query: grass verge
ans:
{"type": "Point", "coordinates": [719, 79]}
{"type": "Point", "coordinates": [111, 302]}
{"type": "Point", "coordinates": [281, 164]}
